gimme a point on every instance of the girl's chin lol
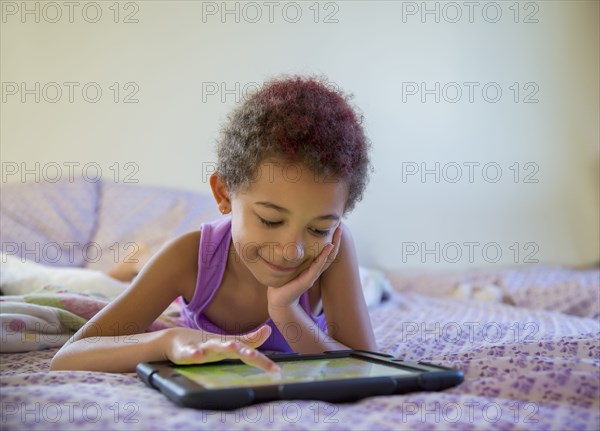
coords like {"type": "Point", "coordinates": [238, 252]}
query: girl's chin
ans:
{"type": "Point", "coordinates": [268, 275]}
{"type": "Point", "coordinates": [273, 281]}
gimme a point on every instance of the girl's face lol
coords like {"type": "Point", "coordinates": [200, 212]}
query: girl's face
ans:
{"type": "Point", "coordinates": [284, 219]}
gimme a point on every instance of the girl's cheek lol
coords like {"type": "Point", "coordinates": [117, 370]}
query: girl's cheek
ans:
{"type": "Point", "coordinates": [252, 251]}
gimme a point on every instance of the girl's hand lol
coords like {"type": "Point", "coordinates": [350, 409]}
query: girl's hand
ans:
{"type": "Point", "coordinates": [192, 346]}
{"type": "Point", "coordinates": [289, 294]}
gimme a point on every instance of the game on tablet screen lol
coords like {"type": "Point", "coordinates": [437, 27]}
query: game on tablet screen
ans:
{"type": "Point", "coordinates": [242, 375]}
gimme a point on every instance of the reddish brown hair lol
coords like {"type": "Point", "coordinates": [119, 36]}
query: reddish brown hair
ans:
{"type": "Point", "coordinates": [304, 120]}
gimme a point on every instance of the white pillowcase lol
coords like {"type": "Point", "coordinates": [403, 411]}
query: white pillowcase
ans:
{"type": "Point", "coordinates": [20, 278]}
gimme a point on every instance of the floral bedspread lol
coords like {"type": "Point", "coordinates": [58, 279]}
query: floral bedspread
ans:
{"type": "Point", "coordinates": [524, 369]}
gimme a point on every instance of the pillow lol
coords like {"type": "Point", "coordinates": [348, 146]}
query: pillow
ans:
{"type": "Point", "coordinates": [22, 278]}
{"type": "Point", "coordinates": [134, 221]}
{"type": "Point", "coordinates": [50, 223]}
{"type": "Point", "coordinates": [375, 286]}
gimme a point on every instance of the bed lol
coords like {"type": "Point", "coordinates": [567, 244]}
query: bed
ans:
{"type": "Point", "coordinates": [531, 359]}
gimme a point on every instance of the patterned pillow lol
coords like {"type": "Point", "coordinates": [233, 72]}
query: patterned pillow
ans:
{"type": "Point", "coordinates": [134, 221]}
{"type": "Point", "coordinates": [50, 223]}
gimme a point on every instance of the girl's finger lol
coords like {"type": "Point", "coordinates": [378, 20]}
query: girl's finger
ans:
{"type": "Point", "coordinates": [316, 268]}
{"type": "Point", "coordinates": [248, 355]}
{"type": "Point", "coordinates": [257, 359]}
{"type": "Point", "coordinates": [337, 236]}
{"type": "Point", "coordinates": [337, 239]}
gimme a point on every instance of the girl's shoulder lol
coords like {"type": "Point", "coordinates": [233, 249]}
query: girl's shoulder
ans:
{"type": "Point", "coordinates": [185, 243]}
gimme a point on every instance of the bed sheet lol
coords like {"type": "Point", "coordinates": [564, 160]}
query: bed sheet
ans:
{"type": "Point", "coordinates": [524, 369]}
{"type": "Point", "coordinates": [549, 287]}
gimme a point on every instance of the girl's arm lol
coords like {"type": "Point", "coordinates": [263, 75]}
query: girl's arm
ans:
{"type": "Point", "coordinates": [344, 305]}
{"type": "Point", "coordinates": [114, 339]}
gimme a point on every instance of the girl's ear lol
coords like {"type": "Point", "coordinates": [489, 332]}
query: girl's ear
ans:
{"type": "Point", "coordinates": [220, 193]}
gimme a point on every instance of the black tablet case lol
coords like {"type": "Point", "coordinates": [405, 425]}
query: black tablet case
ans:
{"type": "Point", "coordinates": [186, 393]}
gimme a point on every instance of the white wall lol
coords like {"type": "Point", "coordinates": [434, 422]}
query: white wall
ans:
{"type": "Point", "coordinates": [176, 51]}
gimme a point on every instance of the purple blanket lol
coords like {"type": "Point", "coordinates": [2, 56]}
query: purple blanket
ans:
{"type": "Point", "coordinates": [524, 369]}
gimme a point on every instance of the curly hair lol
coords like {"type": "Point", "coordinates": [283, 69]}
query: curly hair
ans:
{"type": "Point", "coordinates": [302, 120]}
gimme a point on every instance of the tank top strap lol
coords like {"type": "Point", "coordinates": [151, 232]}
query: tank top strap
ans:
{"type": "Point", "coordinates": [215, 239]}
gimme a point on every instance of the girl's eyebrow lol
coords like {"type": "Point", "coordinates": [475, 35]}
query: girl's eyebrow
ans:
{"type": "Point", "coordinates": [286, 211]}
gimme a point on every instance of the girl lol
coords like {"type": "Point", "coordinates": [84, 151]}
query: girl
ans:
{"type": "Point", "coordinates": [278, 270]}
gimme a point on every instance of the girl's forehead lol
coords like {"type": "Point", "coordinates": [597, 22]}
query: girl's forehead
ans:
{"type": "Point", "coordinates": [281, 170]}
{"type": "Point", "coordinates": [296, 185]}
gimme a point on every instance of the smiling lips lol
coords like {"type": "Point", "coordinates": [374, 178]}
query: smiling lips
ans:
{"type": "Point", "coordinates": [279, 268]}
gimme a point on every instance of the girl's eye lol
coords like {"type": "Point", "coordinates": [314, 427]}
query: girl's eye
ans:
{"type": "Point", "coordinates": [269, 223]}
{"type": "Point", "coordinates": [321, 232]}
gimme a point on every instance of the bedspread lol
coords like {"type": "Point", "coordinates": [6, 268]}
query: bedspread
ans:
{"type": "Point", "coordinates": [524, 369]}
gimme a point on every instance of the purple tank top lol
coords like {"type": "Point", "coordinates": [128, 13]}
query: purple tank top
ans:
{"type": "Point", "coordinates": [215, 241]}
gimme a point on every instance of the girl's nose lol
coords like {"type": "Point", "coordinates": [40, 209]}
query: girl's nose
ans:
{"type": "Point", "coordinates": [293, 251]}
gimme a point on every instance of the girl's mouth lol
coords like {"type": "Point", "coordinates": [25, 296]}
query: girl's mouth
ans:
{"type": "Point", "coordinates": [280, 268]}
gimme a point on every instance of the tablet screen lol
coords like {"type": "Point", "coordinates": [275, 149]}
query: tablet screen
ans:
{"type": "Point", "coordinates": [241, 375]}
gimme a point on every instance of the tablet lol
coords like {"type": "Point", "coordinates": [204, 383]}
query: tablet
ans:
{"type": "Point", "coordinates": [337, 376]}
